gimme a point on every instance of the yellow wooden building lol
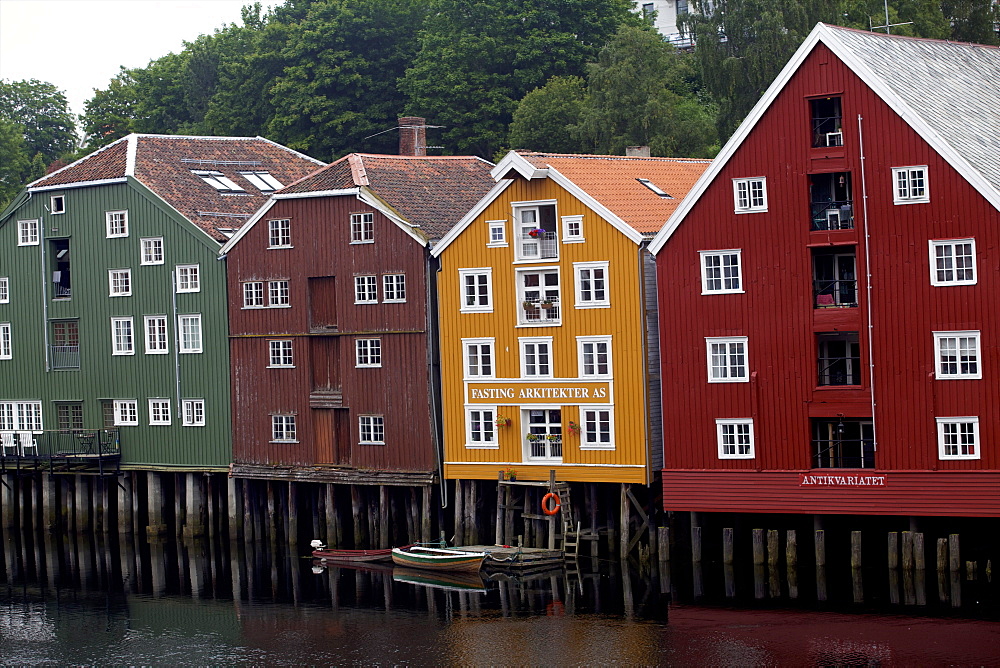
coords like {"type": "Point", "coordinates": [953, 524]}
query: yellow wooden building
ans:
{"type": "Point", "coordinates": [548, 319]}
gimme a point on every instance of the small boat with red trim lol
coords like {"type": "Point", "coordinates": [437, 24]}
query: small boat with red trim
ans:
{"type": "Point", "coordinates": [437, 558]}
{"type": "Point", "coordinates": [323, 554]}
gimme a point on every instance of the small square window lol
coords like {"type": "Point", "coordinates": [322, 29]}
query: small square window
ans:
{"type": "Point", "coordinates": [117, 223]}
{"type": "Point", "coordinates": [721, 272]}
{"type": "Point", "coordinates": [750, 195]}
{"type": "Point", "coordinates": [280, 353]}
{"type": "Point", "coordinates": [480, 431]}
{"type": "Point", "coordinates": [497, 232]}
{"type": "Point", "coordinates": [253, 294]}
{"type": "Point", "coordinates": [478, 358]}
{"type": "Point", "coordinates": [189, 328]}
{"type": "Point", "coordinates": [27, 233]}
{"type": "Point", "coordinates": [592, 285]}
{"type": "Point", "coordinates": [958, 437]}
{"type": "Point", "coordinates": [57, 204]}
{"type": "Point", "coordinates": [394, 288]}
{"type": "Point", "coordinates": [365, 290]}
{"type": "Point", "coordinates": [194, 412]}
{"type": "Point", "coordinates": [362, 228]}
{"type": "Point", "coordinates": [120, 282]}
{"type": "Point", "coordinates": [368, 353]}
{"type": "Point", "coordinates": [126, 413]}
{"type": "Point", "coordinates": [279, 233]}
{"type": "Point", "coordinates": [159, 411]}
{"type": "Point", "coordinates": [735, 438]}
{"type": "Point", "coordinates": [597, 430]}
{"type": "Point", "coordinates": [4, 290]}
{"type": "Point", "coordinates": [371, 429]}
{"type": "Point", "coordinates": [536, 358]}
{"type": "Point", "coordinates": [152, 250]}
{"type": "Point", "coordinates": [727, 359]}
{"type": "Point", "coordinates": [477, 290]}
{"type": "Point", "coordinates": [910, 185]}
{"type": "Point", "coordinates": [953, 262]}
{"type": "Point", "coordinates": [283, 429]}
{"type": "Point", "coordinates": [594, 356]}
{"type": "Point", "coordinates": [277, 294]}
{"type": "Point", "coordinates": [572, 229]}
{"type": "Point", "coordinates": [188, 278]}
{"type": "Point", "coordinates": [957, 356]}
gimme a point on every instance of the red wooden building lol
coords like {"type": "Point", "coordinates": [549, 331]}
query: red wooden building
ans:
{"type": "Point", "coordinates": [829, 291]}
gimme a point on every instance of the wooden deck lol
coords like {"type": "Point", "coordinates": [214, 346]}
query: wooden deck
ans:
{"type": "Point", "coordinates": [499, 557]}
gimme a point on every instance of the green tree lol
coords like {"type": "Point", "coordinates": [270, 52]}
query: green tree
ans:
{"type": "Point", "coordinates": [110, 114]}
{"type": "Point", "coordinates": [916, 18]}
{"type": "Point", "coordinates": [975, 21]}
{"type": "Point", "coordinates": [543, 118]}
{"type": "Point", "coordinates": [43, 114]}
{"type": "Point", "coordinates": [13, 160]}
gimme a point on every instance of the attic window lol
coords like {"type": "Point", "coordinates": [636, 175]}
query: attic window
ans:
{"type": "Point", "coordinates": [215, 179]}
{"type": "Point", "coordinates": [656, 189]}
{"type": "Point", "coordinates": [263, 181]}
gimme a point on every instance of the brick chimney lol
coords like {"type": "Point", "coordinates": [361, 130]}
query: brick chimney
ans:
{"type": "Point", "coordinates": [412, 135]}
{"type": "Point", "coordinates": [637, 151]}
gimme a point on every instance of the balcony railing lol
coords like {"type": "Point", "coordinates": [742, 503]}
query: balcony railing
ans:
{"type": "Point", "coordinates": [544, 245]}
{"type": "Point", "coordinates": [833, 293]}
{"type": "Point", "coordinates": [844, 454]}
{"type": "Point", "coordinates": [832, 215]}
{"type": "Point", "coordinates": [540, 311]}
{"type": "Point", "coordinates": [544, 446]}
{"type": "Point", "coordinates": [839, 371]}
{"type": "Point", "coordinates": [65, 357]}
{"type": "Point", "coordinates": [60, 291]}
{"type": "Point", "coordinates": [60, 442]}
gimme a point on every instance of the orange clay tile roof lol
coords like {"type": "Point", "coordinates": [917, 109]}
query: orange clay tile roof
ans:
{"type": "Point", "coordinates": [612, 181]}
{"type": "Point", "coordinates": [433, 192]}
{"type": "Point", "coordinates": [164, 164]}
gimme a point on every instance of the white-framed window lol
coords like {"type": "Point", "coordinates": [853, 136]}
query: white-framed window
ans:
{"type": "Point", "coordinates": [119, 282]}
{"type": "Point", "coordinates": [598, 429]}
{"type": "Point", "coordinates": [572, 229]}
{"type": "Point", "coordinates": [193, 412]}
{"type": "Point", "coordinates": [279, 233]}
{"type": "Point", "coordinates": [727, 359]}
{"type": "Point", "coordinates": [594, 356]}
{"type": "Point", "coordinates": [480, 427]}
{"type": "Point", "coordinates": [20, 416]}
{"type": "Point", "coordinates": [371, 429]}
{"type": "Point", "coordinates": [394, 288]}
{"type": "Point", "coordinates": [277, 294]}
{"type": "Point", "coordinates": [536, 357]}
{"type": "Point", "coordinates": [4, 290]}
{"type": "Point", "coordinates": [280, 353]}
{"type": "Point", "coordinates": [478, 358]}
{"type": "Point", "coordinates": [750, 194]}
{"type": "Point", "coordinates": [543, 432]}
{"type": "Point", "coordinates": [539, 296]}
{"type": "Point", "coordinates": [27, 233]}
{"type": "Point", "coordinates": [156, 334]}
{"type": "Point", "coordinates": [957, 355]}
{"type": "Point", "coordinates": [953, 261]}
{"type": "Point", "coordinates": [591, 285]}
{"type": "Point", "coordinates": [958, 437]}
{"type": "Point", "coordinates": [126, 412]}
{"type": "Point", "coordinates": [367, 353]}
{"type": "Point", "coordinates": [122, 340]}
{"type": "Point", "coordinates": [151, 250]}
{"type": "Point", "coordinates": [910, 185]}
{"type": "Point", "coordinates": [159, 412]}
{"type": "Point", "coordinates": [535, 230]}
{"type": "Point", "coordinates": [721, 271]}
{"type": "Point", "coordinates": [497, 233]}
{"type": "Point", "coordinates": [283, 429]}
{"type": "Point", "coordinates": [188, 278]}
{"type": "Point", "coordinates": [57, 204]}
{"type": "Point", "coordinates": [253, 294]}
{"type": "Point", "coordinates": [365, 289]}
{"type": "Point", "coordinates": [116, 223]}
{"type": "Point", "coordinates": [362, 228]}
{"type": "Point", "coordinates": [735, 438]}
{"type": "Point", "coordinates": [189, 330]}
{"type": "Point", "coordinates": [6, 346]}
{"type": "Point", "coordinates": [477, 289]}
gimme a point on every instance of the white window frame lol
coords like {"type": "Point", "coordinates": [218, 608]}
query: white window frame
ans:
{"type": "Point", "coordinates": [119, 345]}
{"type": "Point", "coordinates": [279, 294]}
{"type": "Point", "coordinates": [366, 289]}
{"type": "Point", "coordinates": [27, 232]}
{"type": "Point", "coordinates": [904, 183]}
{"type": "Point", "coordinates": [363, 228]}
{"type": "Point", "coordinates": [6, 342]}
{"type": "Point", "coordinates": [159, 412]}
{"type": "Point", "coordinates": [732, 440]}
{"type": "Point", "coordinates": [474, 347]}
{"type": "Point", "coordinates": [192, 344]}
{"type": "Point", "coordinates": [114, 227]}
{"type": "Point", "coordinates": [496, 233]}
{"type": "Point", "coordinates": [280, 354]}
{"type": "Point", "coordinates": [586, 433]}
{"type": "Point", "coordinates": [523, 343]}
{"type": "Point", "coordinates": [581, 356]}
{"type": "Point", "coordinates": [57, 204]}
{"type": "Point", "coordinates": [721, 257]}
{"type": "Point", "coordinates": [488, 428]}
{"type": "Point", "coordinates": [480, 290]}
{"type": "Point", "coordinates": [371, 426]}
{"type": "Point", "coordinates": [193, 412]}
{"type": "Point", "coordinates": [368, 353]}
{"type": "Point", "coordinates": [279, 233]}
{"type": "Point", "coordinates": [283, 428]}
{"type": "Point", "coordinates": [715, 376]}
{"type": "Point", "coordinates": [393, 288]}
{"type": "Point", "coordinates": [572, 232]}
{"type": "Point", "coordinates": [119, 282]}
{"type": "Point", "coordinates": [527, 425]}
{"type": "Point", "coordinates": [253, 294]}
{"type": "Point", "coordinates": [581, 301]}
{"type": "Point", "coordinates": [939, 363]}
{"type": "Point", "coordinates": [188, 278]}
{"type": "Point", "coordinates": [156, 334]}
{"type": "Point", "coordinates": [21, 416]}
{"type": "Point", "coordinates": [150, 251]}
{"type": "Point", "coordinates": [934, 245]}
{"type": "Point", "coordinates": [744, 200]}
{"type": "Point", "coordinates": [942, 426]}
{"type": "Point", "coordinates": [4, 290]}
{"type": "Point", "coordinates": [126, 413]}
{"type": "Point", "coordinates": [520, 230]}
{"type": "Point", "coordinates": [544, 319]}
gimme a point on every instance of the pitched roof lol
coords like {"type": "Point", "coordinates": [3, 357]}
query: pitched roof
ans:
{"type": "Point", "coordinates": [166, 164]}
{"type": "Point", "coordinates": [430, 192]}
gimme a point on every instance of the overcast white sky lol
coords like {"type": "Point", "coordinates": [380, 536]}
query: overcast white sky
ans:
{"type": "Point", "coordinates": [78, 45]}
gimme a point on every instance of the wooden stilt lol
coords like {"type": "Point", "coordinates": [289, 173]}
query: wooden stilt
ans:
{"type": "Point", "coordinates": [272, 520]}
{"type": "Point", "coordinates": [954, 557]}
{"type": "Point", "coordinates": [942, 554]}
{"type": "Point", "coordinates": [425, 526]}
{"type": "Point", "coordinates": [458, 500]}
{"type": "Point", "coordinates": [791, 549]}
{"type": "Point", "coordinates": [383, 517]}
{"type": "Point", "coordinates": [508, 522]}
{"type": "Point", "coordinates": [820, 545]}
{"type": "Point", "coordinates": [919, 557]}
{"type": "Point", "coordinates": [758, 547]}
{"type": "Point", "coordinates": [663, 538]}
{"type": "Point", "coordinates": [552, 518]}
{"type": "Point", "coordinates": [471, 521]}
{"type": "Point", "coordinates": [359, 518]}
{"type": "Point", "coordinates": [893, 549]}
{"type": "Point", "coordinates": [292, 514]}
{"type": "Point", "coordinates": [856, 549]}
{"type": "Point", "coordinates": [501, 509]}
{"type": "Point", "coordinates": [727, 546]}
{"type": "Point", "coordinates": [907, 551]}
{"type": "Point", "coordinates": [772, 547]}
{"type": "Point", "coordinates": [625, 521]}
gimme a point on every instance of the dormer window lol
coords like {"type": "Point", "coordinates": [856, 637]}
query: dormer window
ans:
{"type": "Point", "coordinates": [263, 181]}
{"type": "Point", "coordinates": [827, 128]}
{"type": "Point", "coordinates": [221, 183]}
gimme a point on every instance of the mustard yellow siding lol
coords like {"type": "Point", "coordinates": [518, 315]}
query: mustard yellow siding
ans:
{"type": "Point", "coordinates": [622, 321]}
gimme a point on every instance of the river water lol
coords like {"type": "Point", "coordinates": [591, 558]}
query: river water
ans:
{"type": "Point", "coordinates": [74, 600]}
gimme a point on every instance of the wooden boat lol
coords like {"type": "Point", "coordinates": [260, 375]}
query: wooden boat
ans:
{"type": "Point", "coordinates": [353, 555]}
{"type": "Point", "coordinates": [437, 558]}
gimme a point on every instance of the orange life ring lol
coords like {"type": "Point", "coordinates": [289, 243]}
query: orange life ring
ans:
{"type": "Point", "coordinates": [550, 510]}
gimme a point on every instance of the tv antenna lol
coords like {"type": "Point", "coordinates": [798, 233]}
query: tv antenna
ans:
{"type": "Point", "coordinates": [887, 25]}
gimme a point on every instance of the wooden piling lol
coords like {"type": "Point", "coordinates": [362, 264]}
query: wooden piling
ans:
{"type": "Point", "coordinates": [508, 522]}
{"type": "Point", "coordinates": [820, 548]}
{"type": "Point", "coordinates": [954, 556]}
{"type": "Point", "coordinates": [359, 518]}
{"type": "Point", "coordinates": [425, 526]}
{"type": "Point", "coordinates": [919, 558]}
{"type": "Point", "coordinates": [383, 517]}
{"type": "Point", "coordinates": [458, 499]}
{"type": "Point", "coordinates": [791, 549]}
{"type": "Point", "coordinates": [663, 538]}
{"type": "Point", "coordinates": [855, 549]}
{"type": "Point", "coordinates": [471, 528]}
{"type": "Point", "coordinates": [892, 549]}
{"type": "Point", "coordinates": [907, 551]}
{"type": "Point", "coordinates": [334, 527]}
{"type": "Point", "coordinates": [696, 545]}
{"type": "Point", "coordinates": [758, 547]}
{"type": "Point", "coordinates": [501, 509]}
{"type": "Point", "coordinates": [727, 546]}
{"type": "Point", "coordinates": [772, 547]}
{"type": "Point", "coordinates": [624, 527]}
{"type": "Point", "coordinates": [942, 555]}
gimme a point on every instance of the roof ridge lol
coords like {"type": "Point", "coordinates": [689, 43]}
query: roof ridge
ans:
{"type": "Point", "coordinates": [909, 37]}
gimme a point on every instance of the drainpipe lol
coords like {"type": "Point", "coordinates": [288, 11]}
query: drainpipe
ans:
{"type": "Point", "coordinates": [868, 281]}
{"type": "Point", "coordinates": [434, 363]}
{"type": "Point", "coordinates": [177, 340]}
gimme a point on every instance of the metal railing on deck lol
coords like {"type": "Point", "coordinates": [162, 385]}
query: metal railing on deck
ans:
{"type": "Point", "coordinates": [65, 357]}
{"type": "Point", "coordinates": [844, 454]}
{"type": "Point", "coordinates": [62, 442]}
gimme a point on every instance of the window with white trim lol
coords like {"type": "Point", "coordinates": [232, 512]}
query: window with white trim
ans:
{"type": "Point", "coordinates": [366, 290]}
{"type": "Point", "coordinates": [910, 185]}
{"type": "Point", "coordinates": [120, 282]}
{"type": "Point", "coordinates": [57, 204]}
{"type": "Point", "coordinates": [721, 271]}
{"type": "Point", "coordinates": [478, 358]}
{"type": "Point", "coordinates": [159, 412]}
{"type": "Point", "coordinates": [362, 228]}
{"type": "Point", "coordinates": [536, 357]}
{"type": "Point", "coordinates": [20, 416]}
{"type": "Point", "coordinates": [394, 288]}
{"type": "Point", "coordinates": [4, 290]}
{"type": "Point", "coordinates": [480, 427]}
{"type": "Point", "coordinates": [122, 341]}
{"type": "Point", "coordinates": [277, 294]}
{"type": "Point", "coordinates": [535, 230]}
{"type": "Point", "coordinates": [152, 250]}
{"type": "Point", "coordinates": [597, 431]}
{"type": "Point", "coordinates": [727, 359]}
{"type": "Point", "coordinates": [957, 355]}
{"type": "Point", "coordinates": [156, 334]}
{"type": "Point", "coordinates": [189, 329]}
{"type": "Point", "coordinates": [280, 353]}
{"type": "Point", "coordinates": [126, 413]}
{"type": "Point", "coordinates": [188, 278]}
{"type": "Point", "coordinates": [279, 233]}
{"type": "Point", "coordinates": [543, 435]}
{"type": "Point", "coordinates": [592, 285]}
{"type": "Point", "coordinates": [367, 353]}
{"type": "Point", "coordinates": [27, 233]}
{"type": "Point", "coordinates": [953, 261]}
{"type": "Point", "coordinates": [477, 289]}
{"type": "Point", "coordinates": [497, 232]}
{"type": "Point", "coordinates": [193, 412]}
{"type": "Point", "coordinates": [958, 437]}
{"type": "Point", "coordinates": [539, 294]}
{"type": "Point", "coordinates": [750, 195]}
{"type": "Point", "coordinates": [283, 429]}
{"type": "Point", "coordinates": [253, 294]}
{"type": "Point", "coordinates": [594, 356]}
{"type": "Point", "coordinates": [6, 346]}
{"type": "Point", "coordinates": [572, 229]}
{"type": "Point", "coordinates": [116, 223]}
{"type": "Point", "coordinates": [371, 429]}
{"type": "Point", "coordinates": [735, 438]}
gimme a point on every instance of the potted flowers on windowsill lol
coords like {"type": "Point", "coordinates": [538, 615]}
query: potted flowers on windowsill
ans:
{"type": "Point", "coordinates": [574, 428]}
{"type": "Point", "coordinates": [535, 233]}
{"type": "Point", "coordinates": [502, 421]}
{"type": "Point", "coordinates": [547, 304]}
{"type": "Point", "coordinates": [528, 305]}
{"type": "Point", "coordinates": [552, 437]}
{"type": "Point", "coordinates": [533, 437]}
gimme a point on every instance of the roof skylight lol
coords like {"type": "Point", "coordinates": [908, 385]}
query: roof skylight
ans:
{"type": "Point", "coordinates": [262, 180]}
{"type": "Point", "coordinates": [655, 188]}
{"type": "Point", "coordinates": [215, 179]}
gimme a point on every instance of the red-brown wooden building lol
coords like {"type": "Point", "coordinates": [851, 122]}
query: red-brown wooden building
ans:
{"type": "Point", "coordinates": [829, 291]}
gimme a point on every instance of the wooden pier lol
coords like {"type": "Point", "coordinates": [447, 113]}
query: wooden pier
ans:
{"type": "Point", "coordinates": [522, 559]}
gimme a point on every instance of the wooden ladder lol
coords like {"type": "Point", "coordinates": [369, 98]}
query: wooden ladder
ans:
{"type": "Point", "coordinates": [571, 527]}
